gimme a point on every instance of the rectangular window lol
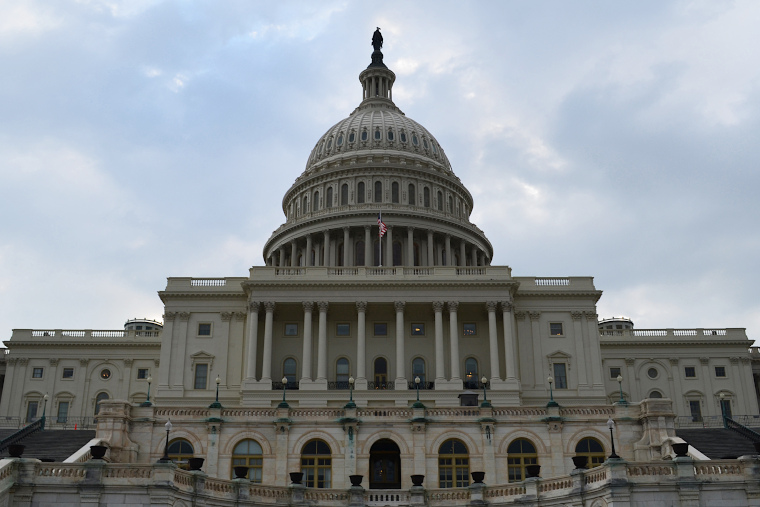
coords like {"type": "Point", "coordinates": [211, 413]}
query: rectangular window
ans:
{"type": "Point", "coordinates": [343, 329]}
{"type": "Point", "coordinates": [204, 329]}
{"type": "Point", "coordinates": [690, 372]}
{"type": "Point", "coordinates": [201, 376]}
{"type": "Point", "coordinates": [142, 373]}
{"type": "Point", "coordinates": [696, 410]}
{"type": "Point", "coordinates": [720, 371]}
{"type": "Point", "coordinates": [560, 376]}
{"type": "Point", "coordinates": [381, 329]}
{"type": "Point", "coordinates": [555, 329]}
{"type": "Point", "coordinates": [614, 373]}
{"type": "Point", "coordinates": [418, 329]}
{"type": "Point", "coordinates": [68, 373]}
{"type": "Point", "coordinates": [31, 411]}
{"type": "Point", "coordinates": [37, 372]}
{"type": "Point", "coordinates": [469, 329]}
{"type": "Point", "coordinates": [291, 329]}
{"type": "Point", "coordinates": [63, 411]}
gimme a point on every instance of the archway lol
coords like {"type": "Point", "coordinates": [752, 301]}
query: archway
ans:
{"type": "Point", "coordinates": [385, 465]}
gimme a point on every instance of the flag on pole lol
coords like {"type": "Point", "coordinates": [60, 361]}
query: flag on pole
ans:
{"type": "Point", "coordinates": [383, 227]}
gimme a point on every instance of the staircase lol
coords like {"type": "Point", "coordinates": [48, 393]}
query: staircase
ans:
{"type": "Point", "coordinates": [718, 443]}
{"type": "Point", "coordinates": [53, 445]}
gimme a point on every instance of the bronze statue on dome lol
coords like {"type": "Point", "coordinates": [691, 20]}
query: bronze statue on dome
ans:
{"type": "Point", "coordinates": [377, 39]}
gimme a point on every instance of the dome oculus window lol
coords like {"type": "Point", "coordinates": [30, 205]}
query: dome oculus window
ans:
{"type": "Point", "coordinates": [390, 135]}
{"type": "Point", "coordinates": [415, 141]}
{"type": "Point", "coordinates": [378, 135]}
{"type": "Point", "coordinates": [351, 137]}
{"type": "Point", "coordinates": [105, 373]}
{"type": "Point", "coordinates": [652, 373]}
{"type": "Point", "coordinates": [339, 142]}
{"type": "Point", "coordinates": [403, 137]}
{"type": "Point", "coordinates": [364, 135]}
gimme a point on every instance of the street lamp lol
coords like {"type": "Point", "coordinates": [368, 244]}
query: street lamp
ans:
{"type": "Point", "coordinates": [216, 403]}
{"type": "Point", "coordinates": [147, 402]}
{"type": "Point", "coordinates": [44, 409]}
{"type": "Point", "coordinates": [620, 384]}
{"type": "Point", "coordinates": [610, 425]}
{"type": "Point", "coordinates": [551, 403]}
{"type": "Point", "coordinates": [485, 403]}
{"type": "Point", "coordinates": [283, 403]}
{"type": "Point", "coordinates": [165, 458]}
{"type": "Point", "coordinates": [350, 403]}
{"type": "Point", "coordinates": [723, 408]}
{"type": "Point", "coordinates": [418, 403]}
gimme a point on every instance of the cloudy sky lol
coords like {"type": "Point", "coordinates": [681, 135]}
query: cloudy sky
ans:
{"type": "Point", "coordinates": [142, 139]}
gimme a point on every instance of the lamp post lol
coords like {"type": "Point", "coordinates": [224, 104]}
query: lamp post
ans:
{"type": "Point", "coordinates": [485, 403]}
{"type": "Point", "coordinates": [610, 425]}
{"type": "Point", "coordinates": [165, 457]}
{"type": "Point", "coordinates": [147, 402]}
{"type": "Point", "coordinates": [620, 384]}
{"type": "Point", "coordinates": [350, 403]}
{"type": "Point", "coordinates": [283, 403]}
{"type": "Point", "coordinates": [216, 403]}
{"type": "Point", "coordinates": [44, 409]}
{"type": "Point", "coordinates": [723, 409]}
{"type": "Point", "coordinates": [551, 403]}
{"type": "Point", "coordinates": [418, 403]}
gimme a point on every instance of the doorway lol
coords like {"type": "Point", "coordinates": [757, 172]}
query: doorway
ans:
{"type": "Point", "coordinates": [385, 465]}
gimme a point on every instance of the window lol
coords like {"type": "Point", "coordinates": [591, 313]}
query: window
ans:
{"type": "Point", "coordinates": [403, 136]}
{"type": "Point", "coordinates": [360, 193]}
{"type": "Point", "coordinates": [98, 399]}
{"type": "Point", "coordinates": [560, 375]}
{"type": "Point", "coordinates": [204, 329]}
{"type": "Point", "coordinates": [396, 253]}
{"type": "Point", "coordinates": [453, 465]}
{"type": "Point", "coordinates": [248, 454]}
{"type": "Point", "coordinates": [316, 464]}
{"type": "Point", "coordinates": [315, 201]}
{"type": "Point", "coordinates": [329, 198]}
{"type": "Point", "coordinates": [201, 376]}
{"type": "Point", "coordinates": [555, 329]}
{"type": "Point", "coordinates": [289, 367]}
{"type": "Point", "coordinates": [378, 191]}
{"type": "Point", "coordinates": [291, 329]}
{"type": "Point", "coordinates": [342, 373]}
{"type": "Point", "coordinates": [418, 329]}
{"type": "Point", "coordinates": [415, 141]}
{"type": "Point", "coordinates": [339, 142]}
{"type": "Point", "coordinates": [343, 329]}
{"type": "Point", "coordinates": [450, 209]}
{"type": "Point", "coordinates": [418, 370]}
{"type": "Point", "coordinates": [378, 135]}
{"type": "Point", "coordinates": [344, 194]}
{"type": "Point", "coordinates": [655, 394]}
{"type": "Point", "coordinates": [351, 137]}
{"type": "Point", "coordinates": [37, 372]}
{"type": "Point", "coordinates": [105, 374]}
{"type": "Point", "coordinates": [426, 197]}
{"type": "Point", "coordinates": [381, 329]}
{"type": "Point", "coordinates": [720, 371]}
{"type": "Point", "coordinates": [471, 378]}
{"type": "Point", "coordinates": [652, 373]}
{"type": "Point", "coordinates": [614, 373]}
{"type": "Point", "coordinates": [381, 373]}
{"type": "Point", "coordinates": [179, 451]}
{"type": "Point", "coordinates": [63, 412]}
{"type": "Point", "coordinates": [440, 201]}
{"type": "Point", "coordinates": [696, 410]}
{"type": "Point", "coordinates": [142, 373]}
{"type": "Point", "coordinates": [412, 195]}
{"type": "Point", "coordinates": [394, 192]}
{"type": "Point", "coordinates": [592, 449]}
{"type": "Point", "coordinates": [364, 135]}
{"type": "Point", "coordinates": [520, 454]}
{"type": "Point", "coordinates": [359, 253]}
{"type": "Point", "coordinates": [469, 329]}
{"type": "Point", "coordinates": [68, 373]}
{"type": "Point", "coordinates": [31, 411]}
{"type": "Point", "coordinates": [390, 135]}
{"type": "Point", "coordinates": [690, 372]}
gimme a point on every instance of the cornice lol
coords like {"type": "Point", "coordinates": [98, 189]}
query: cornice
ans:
{"type": "Point", "coordinates": [204, 295]}
{"type": "Point", "coordinates": [569, 294]}
{"type": "Point", "coordinates": [673, 342]}
{"type": "Point", "coordinates": [250, 286]}
{"type": "Point", "coordinates": [68, 343]}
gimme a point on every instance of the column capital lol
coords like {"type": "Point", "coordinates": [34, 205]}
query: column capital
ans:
{"type": "Point", "coordinates": [84, 362]}
{"type": "Point", "coordinates": [734, 360]}
{"type": "Point", "coordinates": [576, 315]}
{"type": "Point", "coordinates": [506, 305]}
{"type": "Point", "coordinates": [169, 316]}
{"type": "Point", "coordinates": [491, 306]}
{"type": "Point", "coordinates": [591, 316]}
{"type": "Point", "coordinates": [53, 361]}
{"type": "Point", "coordinates": [269, 306]}
{"type": "Point", "coordinates": [128, 362]}
{"type": "Point", "coordinates": [704, 360]}
{"type": "Point", "coordinates": [630, 361]}
{"type": "Point", "coordinates": [323, 306]}
{"type": "Point", "coordinates": [673, 361]}
{"type": "Point", "coordinates": [308, 306]}
{"type": "Point", "coordinates": [367, 227]}
{"type": "Point", "coordinates": [346, 228]}
{"type": "Point", "coordinates": [520, 315]}
{"type": "Point", "coordinates": [453, 306]}
{"type": "Point", "coordinates": [226, 316]}
{"type": "Point", "coordinates": [184, 316]}
{"type": "Point", "coordinates": [438, 306]}
{"type": "Point", "coordinates": [253, 306]}
{"type": "Point", "coordinates": [534, 315]}
{"type": "Point", "coordinates": [239, 315]}
{"type": "Point", "coordinates": [399, 305]}
{"type": "Point", "coordinates": [361, 306]}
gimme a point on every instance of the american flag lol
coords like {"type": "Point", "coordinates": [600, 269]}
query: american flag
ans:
{"type": "Point", "coordinates": [383, 227]}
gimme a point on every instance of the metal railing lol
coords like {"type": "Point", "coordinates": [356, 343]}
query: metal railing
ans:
{"type": "Point", "coordinates": [338, 384]}
{"type": "Point", "coordinates": [423, 385]}
{"type": "Point", "coordinates": [292, 385]}
{"type": "Point", "coordinates": [27, 430]}
{"type": "Point", "coordinates": [381, 385]}
{"type": "Point", "coordinates": [715, 421]}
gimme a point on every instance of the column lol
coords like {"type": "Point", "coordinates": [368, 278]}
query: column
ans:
{"type": "Point", "coordinates": [309, 248]}
{"type": "Point", "coordinates": [400, 382]}
{"type": "Point", "coordinates": [510, 352]}
{"type": "Point", "coordinates": [462, 254]}
{"type": "Point", "coordinates": [594, 350]}
{"type": "Point", "coordinates": [676, 394]}
{"type": "Point", "coordinates": [448, 251]}
{"type": "Point", "coordinates": [481, 259]}
{"type": "Point", "coordinates": [361, 329]}
{"type": "Point", "coordinates": [630, 380]}
{"type": "Point", "coordinates": [346, 248]}
{"type": "Point", "coordinates": [474, 255]}
{"type": "Point", "coordinates": [322, 342]}
{"type": "Point", "coordinates": [538, 356]}
{"type": "Point", "coordinates": [430, 252]}
{"type": "Point", "coordinates": [308, 306]}
{"type": "Point", "coordinates": [293, 254]}
{"type": "Point", "coordinates": [580, 353]}
{"type": "Point", "coordinates": [712, 404]}
{"type": "Point", "coordinates": [178, 352]}
{"type": "Point", "coordinates": [410, 246]}
{"type": "Point", "coordinates": [492, 340]}
{"type": "Point", "coordinates": [440, 367]}
{"type": "Point", "coordinates": [368, 261]}
{"type": "Point", "coordinates": [281, 263]}
{"type": "Point", "coordinates": [266, 365]}
{"type": "Point", "coordinates": [388, 259]}
{"type": "Point", "coordinates": [454, 338]}
{"type": "Point", "coordinates": [166, 350]}
{"type": "Point", "coordinates": [326, 250]}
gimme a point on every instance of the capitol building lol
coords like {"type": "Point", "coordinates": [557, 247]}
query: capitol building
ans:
{"type": "Point", "coordinates": [379, 358]}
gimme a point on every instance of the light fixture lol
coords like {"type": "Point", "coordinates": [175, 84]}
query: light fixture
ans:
{"type": "Point", "coordinates": [611, 425]}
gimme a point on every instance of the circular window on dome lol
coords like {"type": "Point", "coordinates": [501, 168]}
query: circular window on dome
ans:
{"type": "Point", "coordinates": [378, 135]}
{"type": "Point", "coordinates": [403, 137]}
{"type": "Point", "coordinates": [390, 135]}
{"type": "Point", "coordinates": [351, 137]}
{"type": "Point", "coordinates": [340, 140]}
{"type": "Point", "coordinates": [105, 373]}
{"type": "Point", "coordinates": [415, 141]}
{"type": "Point", "coordinates": [364, 135]}
{"type": "Point", "coordinates": [652, 373]}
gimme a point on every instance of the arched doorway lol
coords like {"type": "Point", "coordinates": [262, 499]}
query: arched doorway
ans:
{"type": "Point", "coordinates": [385, 465]}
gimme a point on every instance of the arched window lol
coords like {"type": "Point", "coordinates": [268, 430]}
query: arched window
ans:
{"type": "Point", "coordinates": [316, 464]}
{"type": "Point", "coordinates": [592, 449]}
{"type": "Point", "coordinates": [417, 254]}
{"type": "Point", "coordinates": [655, 394]}
{"type": "Point", "coordinates": [426, 197]}
{"type": "Point", "coordinates": [471, 373]}
{"type": "Point", "coordinates": [453, 465]}
{"type": "Point", "coordinates": [329, 199]}
{"type": "Point", "coordinates": [179, 451]}
{"type": "Point", "coordinates": [378, 191]}
{"type": "Point", "coordinates": [289, 371]}
{"type": "Point", "coordinates": [305, 205]}
{"type": "Point", "coordinates": [341, 373]}
{"type": "Point", "coordinates": [440, 201]}
{"type": "Point", "coordinates": [359, 253]}
{"type": "Point", "coordinates": [340, 254]}
{"type": "Point", "coordinates": [397, 253]}
{"type": "Point", "coordinates": [418, 370]}
{"type": "Point", "coordinates": [385, 465]}
{"type": "Point", "coordinates": [412, 195]}
{"type": "Point", "coordinates": [315, 202]}
{"type": "Point", "coordinates": [100, 397]}
{"type": "Point", "coordinates": [381, 373]}
{"type": "Point", "coordinates": [394, 192]}
{"type": "Point", "coordinates": [248, 454]}
{"type": "Point", "coordinates": [344, 194]}
{"type": "Point", "coordinates": [520, 453]}
{"type": "Point", "coordinates": [360, 192]}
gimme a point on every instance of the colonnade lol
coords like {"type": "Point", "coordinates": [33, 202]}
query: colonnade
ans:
{"type": "Point", "coordinates": [442, 381]}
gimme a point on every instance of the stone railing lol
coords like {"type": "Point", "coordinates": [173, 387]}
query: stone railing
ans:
{"type": "Point", "coordinates": [85, 334]}
{"type": "Point", "coordinates": [228, 284]}
{"type": "Point", "coordinates": [679, 334]}
{"type": "Point", "coordinates": [373, 272]}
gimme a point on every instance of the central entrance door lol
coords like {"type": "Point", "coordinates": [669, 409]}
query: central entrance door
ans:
{"type": "Point", "coordinates": [385, 465]}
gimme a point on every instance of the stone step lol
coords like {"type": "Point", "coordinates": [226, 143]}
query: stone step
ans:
{"type": "Point", "coordinates": [53, 444]}
{"type": "Point", "coordinates": [718, 443]}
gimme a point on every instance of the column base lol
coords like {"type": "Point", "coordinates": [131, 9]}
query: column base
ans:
{"type": "Point", "coordinates": [256, 385]}
{"type": "Point", "coordinates": [360, 384]}
{"type": "Point", "coordinates": [312, 385]}
{"type": "Point", "coordinates": [400, 384]}
{"type": "Point", "coordinates": [454, 384]}
{"type": "Point", "coordinates": [511, 384]}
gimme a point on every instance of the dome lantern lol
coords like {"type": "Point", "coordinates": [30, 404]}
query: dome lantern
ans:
{"type": "Point", "coordinates": [377, 79]}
